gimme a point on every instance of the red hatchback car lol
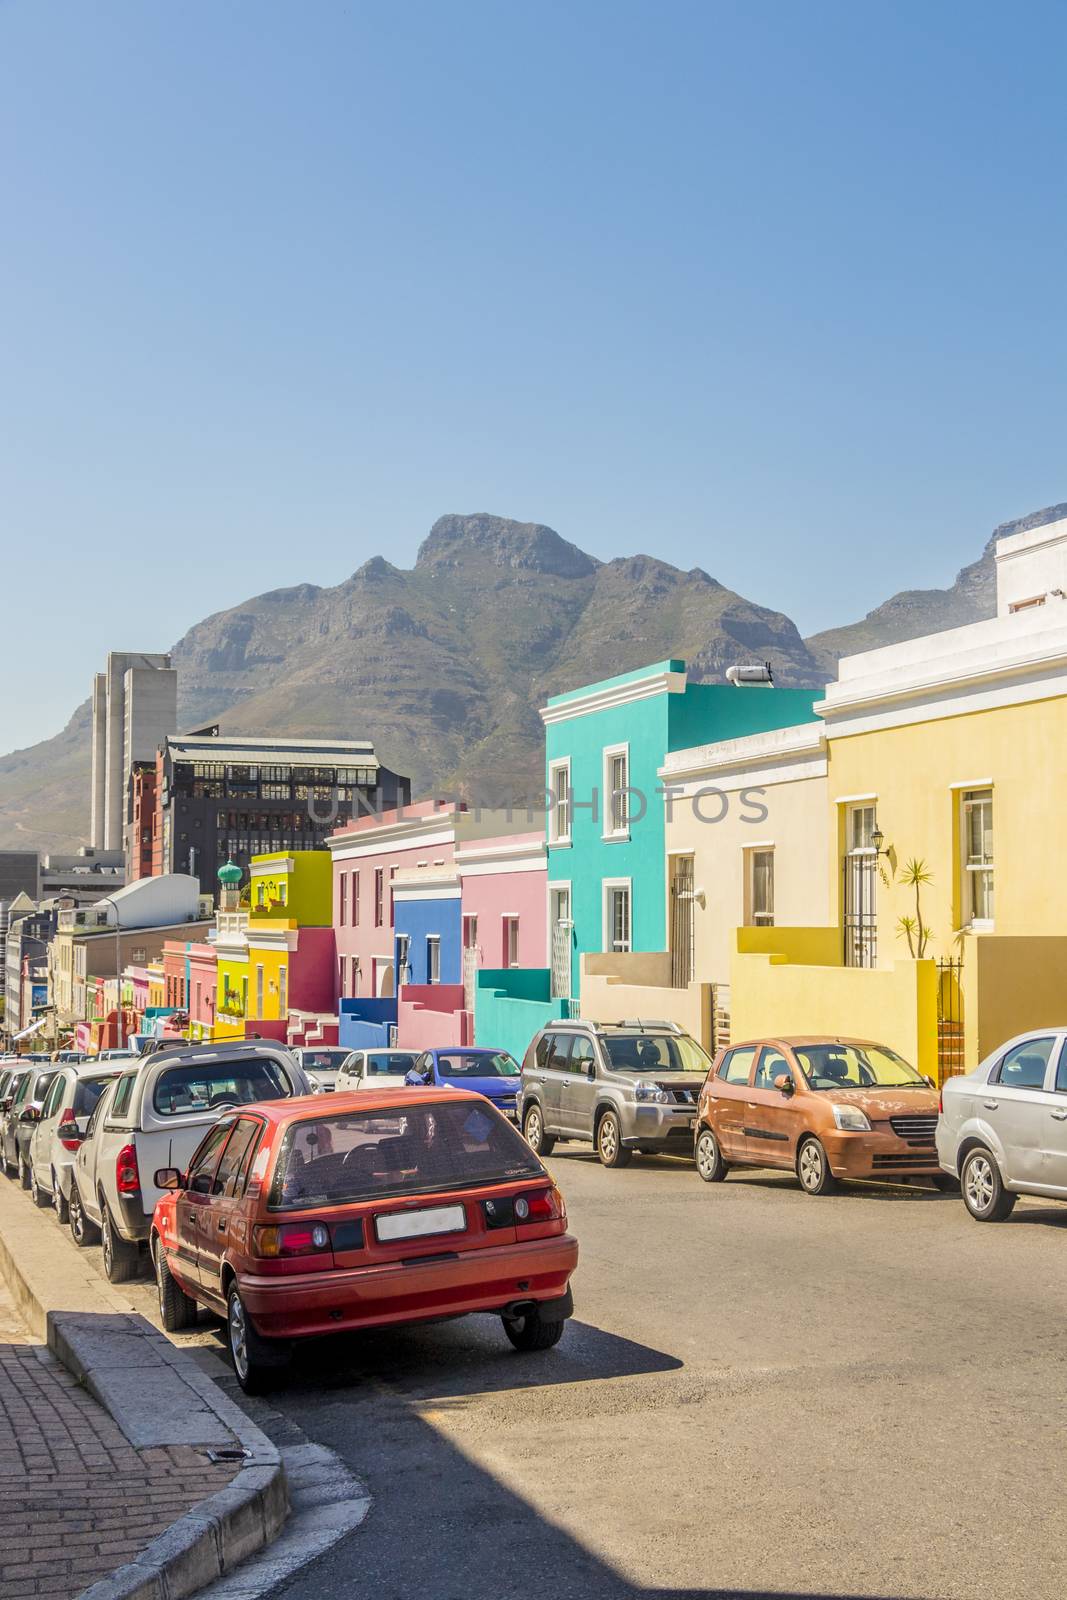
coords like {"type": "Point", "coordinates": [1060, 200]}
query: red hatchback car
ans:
{"type": "Point", "coordinates": [305, 1217]}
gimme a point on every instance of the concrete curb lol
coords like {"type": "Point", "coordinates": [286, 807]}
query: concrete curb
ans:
{"type": "Point", "coordinates": [157, 1394]}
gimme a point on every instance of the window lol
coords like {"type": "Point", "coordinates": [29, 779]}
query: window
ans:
{"type": "Point", "coordinates": [433, 958]}
{"type": "Point", "coordinates": [392, 875]}
{"type": "Point", "coordinates": [772, 1064]}
{"type": "Point", "coordinates": [259, 991]}
{"type": "Point", "coordinates": [617, 916]}
{"type": "Point", "coordinates": [355, 899]}
{"type": "Point", "coordinates": [1024, 1065]}
{"type": "Point", "coordinates": [233, 1164]}
{"type": "Point", "coordinates": [511, 941]}
{"type": "Point", "coordinates": [582, 1058]}
{"type": "Point", "coordinates": [379, 895]}
{"type": "Point", "coordinates": [977, 833]}
{"type": "Point", "coordinates": [552, 1051]}
{"type": "Point", "coordinates": [202, 1167]}
{"type": "Point", "coordinates": [342, 908]}
{"type": "Point", "coordinates": [283, 992]}
{"type": "Point", "coordinates": [559, 817]}
{"type": "Point", "coordinates": [616, 797]}
{"type": "Point", "coordinates": [120, 1104]}
{"type": "Point", "coordinates": [207, 1085]}
{"type": "Point", "coordinates": [760, 888]}
{"type": "Point", "coordinates": [1061, 1073]}
{"type": "Point", "coordinates": [860, 827]}
{"type": "Point", "coordinates": [736, 1066]}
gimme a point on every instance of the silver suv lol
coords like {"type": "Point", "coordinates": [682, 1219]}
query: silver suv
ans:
{"type": "Point", "coordinates": [154, 1115]}
{"type": "Point", "coordinates": [623, 1086]}
{"type": "Point", "coordinates": [1003, 1127]}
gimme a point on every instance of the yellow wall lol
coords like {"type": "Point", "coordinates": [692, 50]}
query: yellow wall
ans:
{"type": "Point", "coordinates": [1021, 749]}
{"type": "Point", "coordinates": [795, 825]}
{"type": "Point", "coordinates": [773, 997]}
{"type": "Point", "coordinates": [1011, 985]}
{"type": "Point", "coordinates": [232, 977]}
{"type": "Point", "coordinates": [303, 895]}
{"type": "Point", "coordinates": [272, 959]}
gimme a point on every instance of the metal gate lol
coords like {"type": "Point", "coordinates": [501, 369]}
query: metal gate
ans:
{"type": "Point", "coordinates": [860, 918]}
{"type": "Point", "coordinates": [470, 975]}
{"type": "Point", "coordinates": [682, 939]}
{"type": "Point", "coordinates": [949, 1019]}
{"type": "Point", "coordinates": [561, 958]}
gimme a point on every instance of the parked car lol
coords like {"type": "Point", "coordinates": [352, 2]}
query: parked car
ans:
{"type": "Point", "coordinates": [59, 1130]}
{"type": "Point", "coordinates": [10, 1079]}
{"type": "Point", "coordinates": [820, 1107]}
{"type": "Point", "coordinates": [493, 1073]}
{"type": "Point", "coordinates": [1003, 1127]}
{"type": "Point", "coordinates": [375, 1069]}
{"type": "Point", "coordinates": [154, 1114]}
{"type": "Point", "coordinates": [322, 1063]}
{"type": "Point", "coordinates": [293, 1218]}
{"type": "Point", "coordinates": [17, 1122]}
{"type": "Point", "coordinates": [622, 1086]}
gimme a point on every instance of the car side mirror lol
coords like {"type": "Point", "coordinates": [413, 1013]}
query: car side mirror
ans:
{"type": "Point", "coordinates": [929, 1081]}
{"type": "Point", "coordinates": [29, 1114]}
{"type": "Point", "coordinates": [784, 1084]}
{"type": "Point", "coordinates": [168, 1178]}
{"type": "Point", "coordinates": [590, 1069]}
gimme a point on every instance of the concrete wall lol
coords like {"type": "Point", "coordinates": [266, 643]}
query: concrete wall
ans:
{"type": "Point", "coordinates": [1011, 985]}
{"type": "Point", "coordinates": [622, 988]}
{"type": "Point", "coordinates": [511, 1004]}
{"type": "Point", "coordinates": [363, 1024]}
{"type": "Point", "coordinates": [430, 1015]}
{"type": "Point", "coordinates": [313, 971]}
{"type": "Point", "coordinates": [894, 1005]}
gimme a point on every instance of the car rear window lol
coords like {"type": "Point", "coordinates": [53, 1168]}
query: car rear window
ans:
{"type": "Point", "coordinates": [87, 1092]}
{"type": "Point", "coordinates": [393, 1065]}
{"type": "Point", "coordinates": [326, 1060]}
{"type": "Point", "coordinates": [43, 1083]}
{"type": "Point", "coordinates": [432, 1147]}
{"type": "Point", "coordinates": [213, 1085]}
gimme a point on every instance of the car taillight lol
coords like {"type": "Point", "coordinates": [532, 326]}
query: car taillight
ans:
{"type": "Point", "coordinates": [67, 1132]}
{"type": "Point", "coordinates": [275, 1241]}
{"type": "Point", "coordinates": [525, 1210]}
{"type": "Point", "coordinates": [127, 1177]}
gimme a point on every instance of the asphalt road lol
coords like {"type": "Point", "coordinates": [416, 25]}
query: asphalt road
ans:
{"type": "Point", "coordinates": [760, 1393]}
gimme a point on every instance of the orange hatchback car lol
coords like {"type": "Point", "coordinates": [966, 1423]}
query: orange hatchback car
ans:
{"type": "Point", "coordinates": [313, 1216]}
{"type": "Point", "coordinates": [822, 1108]}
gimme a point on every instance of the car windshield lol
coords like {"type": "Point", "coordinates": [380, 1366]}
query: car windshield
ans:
{"type": "Point", "coordinates": [659, 1052]}
{"type": "Point", "coordinates": [855, 1066]}
{"type": "Point", "coordinates": [322, 1060]}
{"type": "Point", "coordinates": [211, 1085]}
{"type": "Point", "coordinates": [390, 1063]}
{"type": "Point", "coordinates": [468, 1064]}
{"type": "Point", "coordinates": [432, 1148]}
{"type": "Point", "coordinates": [87, 1092]}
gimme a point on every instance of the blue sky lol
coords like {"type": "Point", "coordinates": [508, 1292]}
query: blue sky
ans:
{"type": "Point", "coordinates": [773, 289]}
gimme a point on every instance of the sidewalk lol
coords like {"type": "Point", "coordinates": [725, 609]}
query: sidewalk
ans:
{"type": "Point", "coordinates": [78, 1500]}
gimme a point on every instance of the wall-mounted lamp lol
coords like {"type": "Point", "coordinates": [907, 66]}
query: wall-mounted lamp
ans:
{"type": "Point", "coordinates": [878, 840]}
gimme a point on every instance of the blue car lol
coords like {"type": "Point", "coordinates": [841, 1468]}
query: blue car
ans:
{"type": "Point", "coordinates": [490, 1072]}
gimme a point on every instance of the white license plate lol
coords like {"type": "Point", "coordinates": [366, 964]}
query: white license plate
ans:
{"type": "Point", "coordinates": [414, 1224]}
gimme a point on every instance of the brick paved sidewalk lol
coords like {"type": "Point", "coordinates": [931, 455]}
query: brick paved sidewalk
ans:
{"type": "Point", "coordinates": [78, 1500]}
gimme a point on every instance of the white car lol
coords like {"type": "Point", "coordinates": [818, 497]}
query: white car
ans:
{"type": "Point", "coordinates": [1002, 1129]}
{"type": "Point", "coordinates": [322, 1063]}
{"type": "Point", "coordinates": [60, 1129]}
{"type": "Point", "coordinates": [376, 1069]}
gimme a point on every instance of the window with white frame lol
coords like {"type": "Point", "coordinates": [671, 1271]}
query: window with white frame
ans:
{"type": "Point", "coordinates": [617, 916]}
{"type": "Point", "coordinates": [976, 829]}
{"type": "Point", "coordinates": [616, 798]}
{"type": "Point", "coordinates": [342, 910]}
{"type": "Point", "coordinates": [433, 958]}
{"type": "Point", "coordinates": [259, 991]}
{"type": "Point", "coordinates": [761, 887]}
{"type": "Point", "coordinates": [559, 817]}
{"type": "Point", "coordinates": [511, 941]}
{"type": "Point", "coordinates": [283, 992]}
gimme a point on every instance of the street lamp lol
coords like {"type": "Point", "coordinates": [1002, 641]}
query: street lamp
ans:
{"type": "Point", "coordinates": [106, 899]}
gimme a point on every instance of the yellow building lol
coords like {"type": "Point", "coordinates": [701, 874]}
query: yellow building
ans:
{"type": "Point", "coordinates": [947, 932]}
{"type": "Point", "coordinates": [276, 957]}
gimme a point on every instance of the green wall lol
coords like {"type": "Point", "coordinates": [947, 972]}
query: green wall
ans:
{"type": "Point", "coordinates": [510, 1004]}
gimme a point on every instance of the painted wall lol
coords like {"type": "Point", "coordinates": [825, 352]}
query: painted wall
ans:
{"type": "Point", "coordinates": [419, 918]}
{"type": "Point", "coordinates": [1011, 985]}
{"type": "Point", "coordinates": [293, 886]}
{"type": "Point", "coordinates": [312, 964]}
{"type": "Point", "coordinates": [432, 1015]}
{"type": "Point", "coordinates": [363, 1024]}
{"type": "Point", "coordinates": [511, 1004]}
{"type": "Point", "coordinates": [506, 877]}
{"type": "Point", "coordinates": [622, 988]}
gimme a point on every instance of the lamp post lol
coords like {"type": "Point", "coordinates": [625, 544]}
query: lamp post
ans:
{"type": "Point", "coordinates": [105, 899]}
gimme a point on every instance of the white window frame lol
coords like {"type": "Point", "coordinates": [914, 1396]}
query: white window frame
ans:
{"type": "Point", "coordinates": [259, 991]}
{"type": "Point", "coordinates": [754, 918]}
{"type": "Point", "coordinates": [608, 887]}
{"type": "Point", "coordinates": [433, 958]}
{"type": "Point", "coordinates": [557, 835]}
{"type": "Point", "coordinates": [969, 868]}
{"type": "Point", "coordinates": [283, 992]}
{"type": "Point", "coordinates": [510, 938]}
{"type": "Point", "coordinates": [615, 831]}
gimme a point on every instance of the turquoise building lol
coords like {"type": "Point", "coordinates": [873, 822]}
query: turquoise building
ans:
{"type": "Point", "coordinates": [604, 745]}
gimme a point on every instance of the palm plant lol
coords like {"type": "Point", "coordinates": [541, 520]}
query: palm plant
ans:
{"type": "Point", "coordinates": [914, 875]}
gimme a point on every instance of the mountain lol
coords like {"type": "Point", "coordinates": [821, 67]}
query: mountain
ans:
{"type": "Point", "coordinates": [913, 612]}
{"type": "Point", "coordinates": [445, 664]}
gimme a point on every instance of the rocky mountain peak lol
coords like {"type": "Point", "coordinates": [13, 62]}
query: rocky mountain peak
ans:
{"type": "Point", "coordinates": [454, 541]}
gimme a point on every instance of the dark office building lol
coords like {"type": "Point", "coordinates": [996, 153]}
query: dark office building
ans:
{"type": "Point", "coordinates": [221, 798]}
{"type": "Point", "coordinates": [20, 873]}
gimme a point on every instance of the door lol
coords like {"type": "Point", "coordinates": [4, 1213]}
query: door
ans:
{"type": "Point", "coordinates": [772, 1119]}
{"type": "Point", "coordinates": [860, 899]}
{"type": "Point", "coordinates": [578, 1088]}
{"type": "Point", "coordinates": [728, 1100]}
{"type": "Point", "coordinates": [560, 927]}
{"type": "Point", "coordinates": [470, 961]}
{"type": "Point", "coordinates": [1018, 1109]}
{"type": "Point", "coordinates": [550, 1069]}
{"type": "Point", "coordinates": [682, 942]}
{"type": "Point", "coordinates": [1056, 1127]}
{"type": "Point", "coordinates": [41, 1138]}
{"type": "Point", "coordinates": [192, 1212]}
{"type": "Point", "coordinates": [223, 1213]}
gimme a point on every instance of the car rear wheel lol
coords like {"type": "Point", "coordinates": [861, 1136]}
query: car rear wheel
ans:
{"type": "Point", "coordinates": [62, 1204]}
{"type": "Point", "coordinates": [709, 1158]}
{"type": "Point", "coordinates": [82, 1231]}
{"type": "Point", "coordinates": [609, 1145]}
{"type": "Point", "coordinates": [532, 1332]}
{"type": "Point", "coordinates": [533, 1127]}
{"type": "Point", "coordinates": [984, 1193]}
{"type": "Point", "coordinates": [257, 1362]}
{"type": "Point", "coordinates": [813, 1169]}
{"type": "Point", "coordinates": [177, 1310]}
{"type": "Point", "coordinates": [40, 1196]}
{"type": "Point", "coordinates": [120, 1256]}
{"type": "Point", "coordinates": [24, 1171]}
